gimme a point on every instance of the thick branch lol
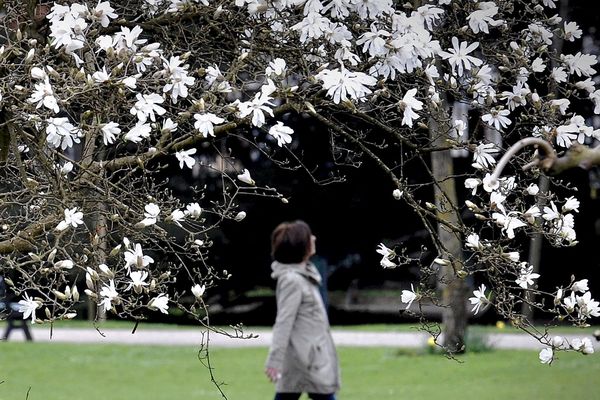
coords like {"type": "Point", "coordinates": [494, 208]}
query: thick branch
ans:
{"type": "Point", "coordinates": [25, 239]}
{"type": "Point", "coordinates": [577, 156]}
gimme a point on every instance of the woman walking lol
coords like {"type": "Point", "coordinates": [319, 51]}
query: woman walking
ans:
{"type": "Point", "coordinates": [302, 357]}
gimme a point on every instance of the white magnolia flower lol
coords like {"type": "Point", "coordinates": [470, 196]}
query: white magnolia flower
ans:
{"type": "Point", "coordinates": [137, 280]}
{"type": "Point", "coordinates": [205, 123]}
{"type": "Point", "coordinates": [551, 213]}
{"type": "Point", "coordinates": [588, 348]}
{"type": "Point", "coordinates": [559, 75]}
{"type": "Point", "coordinates": [489, 185]}
{"type": "Point", "coordinates": [570, 302]}
{"type": "Point", "coordinates": [313, 26]}
{"type": "Point", "coordinates": [128, 39]}
{"type": "Point", "coordinates": [138, 133]}
{"type": "Point", "coordinates": [588, 307]}
{"type": "Point", "coordinates": [587, 85]}
{"type": "Point", "coordinates": [152, 211]}
{"type": "Point", "coordinates": [546, 355]}
{"type": "Point", "coordinates": [177, 216]}
{"type": "Point", "coordinates": [66, 168]}
{"type": "Point", "coordinates": [472, 183]}
{"type": "Point", "coordinates": [101, 76]}
{"type": "Point", "coordinates": [571, 31]}
{"type": "Point", "coordinates": [562, 105]}
{"type": "Point", "coordinates": [109, 294]}
{"type": "Point", "coordinates": [66, 264]}
{"type": "Point", "coordinates": [198, 291]}
{"type": "Point", "coordinates": [397, 194]}
{"type": "Point", "coordinates": [135, 257]}
{"type": "Point", "coordinates": [409, 104]}
{"type": "Point", "coordinates": [558, 296]}
{"type": "Point", "coordinates": [258, 107]}
{"type": "Point", "coordinates": [479, 299]}
{"type": "Point", "coordinates": [539, 34]}
{"type": "Point", "coordinates": [73, 218]}
{"type": "Point", "coordinates": [103, 13]}
{"type": "Point", "coordinates": [571, 204]}
{"type": "Point", "coordinates": [531, 214]}
{"type": "Point", "coordinates": [480, 19]}
{"type": "Point", "coordinates": [44, 95]}
{"type": "Point", "coordinates": [169, 125]}
{"type": "Point", "coordinates": [532, 189]}
{"type": "Point", "coordinates": [580, 286]}
{"type": "Point", "coordinates": [130, 82]}
{"type": "Point", "coordinates": [458, 56]}
{"type": "Point", "coordinates": [509, 222]}
{"type": "Point", "coordinates": [147, 106]}
{"type": "Point", "coordinates": [160, 303]}
{"type": "Point", "coordinates": [109, 132]}
{"type": "Point", "coordinates": [61, 133]}
{"type": "Point", "coordinates": [559, 342]}
{"type": "Point", "coordinates": [497, 118]}
{"type": "Point", "coordinates": [580, 64]}
{"type": "Point", "coordinates": [385, 251]}
{"type": "Point", "coordinates": [483, 154]}
{"type": "Point", "coordinates": [282, 133]}
{"type": "Point", "coordinates": [408, 296]}
{"type": "Point", "coordinates": [538, 65]}
{"type": "Point", "coordinates": [185, 158]}
{"type": "Point", "coordinates": [246, 178]}
{"type": "Point", "coordinates": [341, 83]}
{"type": "Point", "coordinates": [473, 241]}
{"type": "Point", "coordinates": [38, 73]}
{"type": "Point", "coordinates": [526, 276]}
{"type": "Point", "coordinates": [179, 79]}
{"type": "Point", "coordinates": [27, 307]}
{"type": "Point", "coordinates": [240, 216]}
{"type": "Point", "coordinates": [193, 210]}
{"type": "Point", "coordinates": [276, 67]}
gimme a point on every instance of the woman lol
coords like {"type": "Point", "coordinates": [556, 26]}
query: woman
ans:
{"type": "Point", "coordinates": [302, 357]}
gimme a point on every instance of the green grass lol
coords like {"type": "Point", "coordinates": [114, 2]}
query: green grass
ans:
{"type": "Point", "coordinates": [98, 372]}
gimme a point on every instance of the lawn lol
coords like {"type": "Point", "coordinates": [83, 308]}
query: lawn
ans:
{"type": "Point", "coordinates": [117, 372]}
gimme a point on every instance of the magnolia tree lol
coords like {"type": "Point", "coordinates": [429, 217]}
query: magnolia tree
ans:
{"type": "Point", "coordinates": [97, 98]}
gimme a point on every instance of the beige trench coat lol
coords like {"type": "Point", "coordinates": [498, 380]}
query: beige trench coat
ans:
{"type": "Point", "coordinates": [302, 347]}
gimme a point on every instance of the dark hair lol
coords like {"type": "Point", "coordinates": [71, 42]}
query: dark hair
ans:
{"type": "Point", "coordinates": [290, 242]}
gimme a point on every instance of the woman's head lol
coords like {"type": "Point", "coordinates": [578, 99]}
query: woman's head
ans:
{"type": "Point", "coordinates": [292, 242]}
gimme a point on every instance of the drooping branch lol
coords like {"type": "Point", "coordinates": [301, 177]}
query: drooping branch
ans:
{"type": "Point", "coordinates": [545, 163]}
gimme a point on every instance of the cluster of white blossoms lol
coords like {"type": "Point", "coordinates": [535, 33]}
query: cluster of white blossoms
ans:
{"type": "Point", "coordinates": [354, 54]}
{"type": "Point", "coordinates": [575, 301]}
{"type": "Point", "coordinates": [136, 264]}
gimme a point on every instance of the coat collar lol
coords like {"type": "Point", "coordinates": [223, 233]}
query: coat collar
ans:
{"type": "Point", "coordinates": [307, 269]}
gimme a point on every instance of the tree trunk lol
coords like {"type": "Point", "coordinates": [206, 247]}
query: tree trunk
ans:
{"type": "Point", "coordinates": [453, 288]}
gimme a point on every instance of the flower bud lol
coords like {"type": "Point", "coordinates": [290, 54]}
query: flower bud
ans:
{"type": "Point", "coordinates": [59, 295]}
{"type": "Point", "coordinates": [240, 216]}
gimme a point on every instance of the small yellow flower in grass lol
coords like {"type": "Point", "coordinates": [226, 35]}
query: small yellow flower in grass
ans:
{"type": "Point", "coordinates": [500, 325]}
{"type": "Point", "coordinates": [431, 341]}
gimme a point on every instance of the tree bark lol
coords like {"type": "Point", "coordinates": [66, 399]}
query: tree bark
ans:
{"type": "Point", "coordinates": [453, 288]}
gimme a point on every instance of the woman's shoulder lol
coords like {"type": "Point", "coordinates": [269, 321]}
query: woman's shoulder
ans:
{"type": "Point", "coordinates": [290, 275]}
